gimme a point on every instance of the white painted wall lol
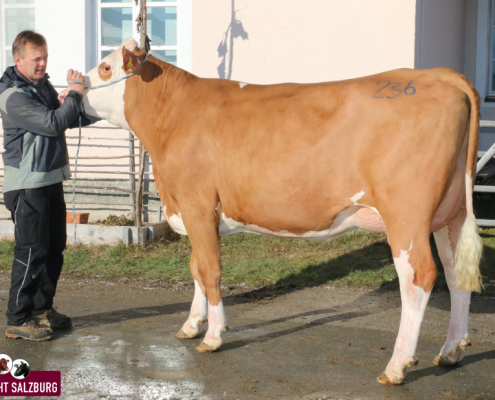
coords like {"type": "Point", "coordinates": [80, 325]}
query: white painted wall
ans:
{"type": "Point", "coordinates": [67, 27]}
{"type": "Point", "coordinates": [306, 41]}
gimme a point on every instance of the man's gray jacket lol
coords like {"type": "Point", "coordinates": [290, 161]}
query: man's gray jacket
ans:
{"type": "Point", "coordinates": [34, 131]}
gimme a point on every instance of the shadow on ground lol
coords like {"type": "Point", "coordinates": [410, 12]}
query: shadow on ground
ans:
{"type": "Point", "coordinates": [373, 257]}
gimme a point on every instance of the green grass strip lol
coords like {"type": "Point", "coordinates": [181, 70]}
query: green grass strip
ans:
{"type": "Point", "coordinates": [357, 259]}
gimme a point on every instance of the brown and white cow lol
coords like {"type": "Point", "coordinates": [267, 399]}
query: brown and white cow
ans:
{"type": "Point", "coordinates": [392, 152]}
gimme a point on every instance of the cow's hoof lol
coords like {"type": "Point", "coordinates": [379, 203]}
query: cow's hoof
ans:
{"type": "Point", "coordinates": [411, 363]}
{"type": "Point", "coordinates": [186, 334]}
{"type": "Point", "coordinates": [207, 348]}
{"type": "Point", "coordinates": [464, 344]}
{"type": "Point", "coordinates": [386, 379]}
{"type": "Point", "coordinates": [445, 360]}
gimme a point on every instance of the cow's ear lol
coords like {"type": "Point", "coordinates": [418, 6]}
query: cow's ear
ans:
{"type": "Point", "coordinates": [131, 62]}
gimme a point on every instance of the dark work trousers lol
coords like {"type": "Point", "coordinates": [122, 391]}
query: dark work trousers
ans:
{"type": "Point", "coordinates": [39, 216]}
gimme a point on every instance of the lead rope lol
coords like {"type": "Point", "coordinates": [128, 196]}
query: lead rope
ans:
{"type": "Point", "coordinates": [74, 181]}
{"type": "Point", "coordinates": [79, 141]}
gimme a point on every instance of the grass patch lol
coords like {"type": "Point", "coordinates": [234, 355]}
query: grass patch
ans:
{"type": "Point", "coordinates": [355, 259]}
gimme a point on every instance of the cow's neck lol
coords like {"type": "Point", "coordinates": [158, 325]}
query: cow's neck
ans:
{"type": "Point", "coordinates": [152, 100]}
{"type": "Point", "coordinates": [107, 103]}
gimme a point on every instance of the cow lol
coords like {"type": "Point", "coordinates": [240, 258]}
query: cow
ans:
{"type": "Point", "coordinates": [22, 369]}
{"type": "Point", "coordinates": [392, 153]}
{"type": "Point", "coordinates": [4, 365]}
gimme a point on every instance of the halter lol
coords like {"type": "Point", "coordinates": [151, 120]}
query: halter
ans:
{"type": "Point", "coordinates": [113, 82]}
{"type": "Point", "coordinates": [79, 142]}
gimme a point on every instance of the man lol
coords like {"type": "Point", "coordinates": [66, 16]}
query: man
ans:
{"type": "Point", "coordinates": [36, 163]}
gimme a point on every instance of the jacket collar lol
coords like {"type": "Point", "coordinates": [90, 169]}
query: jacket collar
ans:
{"type": "Point", "coordinates": [29, 81]}
{"type": "Point", "coordinates": [13, 78]}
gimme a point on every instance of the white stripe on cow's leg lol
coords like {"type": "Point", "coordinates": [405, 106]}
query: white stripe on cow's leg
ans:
{"type": "Point", "coordinates": [414, 300]}
{"type": "Point", "coordinates": [202, 227]}
{"type": "Point", "coordinates": [197, 317]}
{"type": "Point", "coordinates": [217, 323]}
{"type": "Point", "coordinates": [199, 307]}
{"type": "Point", "coordinates": [457, 339]}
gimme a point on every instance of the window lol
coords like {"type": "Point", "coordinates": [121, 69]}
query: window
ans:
{"type": "Point", "coordinates": [116, 22]}
{"type": "Point", "coordinates": [15, 16]}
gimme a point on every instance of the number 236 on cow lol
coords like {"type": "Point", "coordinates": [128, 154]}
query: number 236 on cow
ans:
{"type": "Point", "coordinates": [391, 90]}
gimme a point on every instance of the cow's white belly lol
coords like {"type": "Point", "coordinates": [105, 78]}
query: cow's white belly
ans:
{"type": "Point", "coordinates": [356, 216]}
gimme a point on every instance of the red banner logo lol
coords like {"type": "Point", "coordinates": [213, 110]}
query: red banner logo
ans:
{"type": "Point", "coordinates": [37, 383]}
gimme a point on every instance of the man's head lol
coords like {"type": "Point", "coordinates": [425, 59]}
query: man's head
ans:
{"type": "Point", "coordinates": [30, 54]}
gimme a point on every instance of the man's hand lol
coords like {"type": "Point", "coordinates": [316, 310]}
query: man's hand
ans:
{"type": "Point", "coordinates": [62, 95]}
{"type": "Point", "coordinates": [76, 77]}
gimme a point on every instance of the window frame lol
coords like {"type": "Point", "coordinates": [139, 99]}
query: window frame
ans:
{"type": "Point", "coordinates": [180, 47]}
{"type": "Point", "coordinates": [4, 47]}
{"type": "Point", "coordinates": [490, 54]}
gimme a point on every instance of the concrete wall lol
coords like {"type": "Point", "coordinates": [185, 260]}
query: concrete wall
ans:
{"type": "Point", "coordinates": [442, 34]}
{"type": "Point", "coordinates": [310, 41]}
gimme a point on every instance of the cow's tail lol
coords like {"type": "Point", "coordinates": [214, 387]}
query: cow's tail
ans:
{"type": "Point", "coordinates": [469, 244]}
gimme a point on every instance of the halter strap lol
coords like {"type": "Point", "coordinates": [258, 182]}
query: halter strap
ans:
{"type": "Point", "coordinates": [113, 82]}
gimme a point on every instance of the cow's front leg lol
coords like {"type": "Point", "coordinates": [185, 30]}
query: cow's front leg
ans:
{"type": "Point", "coordinates": [199, 308]}
{"type": "Point", "coordinates": [457, 339]}
{"type": "Point", "coordinates": [202, 229]}
{"type": "Point", "coordinates": [417, 274]}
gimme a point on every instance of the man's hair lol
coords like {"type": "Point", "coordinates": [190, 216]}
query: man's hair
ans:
{"type": "Point", "coordinates": [25, 37]}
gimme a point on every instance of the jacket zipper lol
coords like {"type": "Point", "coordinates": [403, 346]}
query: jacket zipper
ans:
{"type": "Point", "coordinates": [33, 164]}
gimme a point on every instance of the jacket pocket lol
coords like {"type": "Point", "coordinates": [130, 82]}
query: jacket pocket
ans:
{"type": "Point", "coordinates": [27, 223]}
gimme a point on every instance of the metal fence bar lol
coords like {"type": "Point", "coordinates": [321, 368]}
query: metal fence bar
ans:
{"type": "Point", "coordinates": [108, 188]}
{"type": "Point", "coordinates": [485, 222]}
{"type": "Point", "coordinates": [99, 138]}
{"type": "Point", "coordinates": [487, 124]}
{"type": "Point", "coordinates": [113, 172]}
{"type": "Point", "coordinates": [484, 189]}
{"type": "Point", "coordinates": [485, 157]}
{"type": "Point", "coordinates": [109, 204]}
{"type": "Point", "coordinates": [132, 179]}
{"type": "Point", "coordinates": [102, 158]}
{"type": "Point", "coordinates": [132, 191]}
{"type": "Point", "coordinates": [107, 172]}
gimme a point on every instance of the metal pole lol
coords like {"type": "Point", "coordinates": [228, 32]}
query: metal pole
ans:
{"type": "Point", "coordinates": [141, 28]}
{"type": "Point", "coordinates": [142, 158]}
{"type": "Point", "coordinates": [132, 178]}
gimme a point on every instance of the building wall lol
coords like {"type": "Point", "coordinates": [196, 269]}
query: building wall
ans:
{"type": "Point", "coordinates": [68, 28]}
{"type": "Point", "coordinates": [443, 34]}
{"type": "Point", "coordinates": [310, 41]}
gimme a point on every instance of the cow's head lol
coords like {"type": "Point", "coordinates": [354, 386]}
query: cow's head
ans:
{"type": "Point", "coordinates": [108, 102]}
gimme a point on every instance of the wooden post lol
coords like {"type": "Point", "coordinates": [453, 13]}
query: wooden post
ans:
{"type": "Point", "coordinates": [144, 19]}
{"type": "Point", "coordinates": [132, 178]}
{"type": "Point", "coordinates": [141, 28]}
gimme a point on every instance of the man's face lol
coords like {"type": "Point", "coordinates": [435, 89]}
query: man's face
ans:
{"type": "Point", "coordinates": [33, 64]}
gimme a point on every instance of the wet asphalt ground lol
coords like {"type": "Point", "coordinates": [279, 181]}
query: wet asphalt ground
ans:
{"type": "Point", "coordinates": [283, 343]}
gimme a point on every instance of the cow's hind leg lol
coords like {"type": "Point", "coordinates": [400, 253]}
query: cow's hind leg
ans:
{"type": "Point", "coordinates": [202, 229]}
{"type": "Point", "coordinates": [417, 274]}
{"type": "Point", "coordinates": [457, 339]}
{"type": "Point", "coordinates": [199, 308]}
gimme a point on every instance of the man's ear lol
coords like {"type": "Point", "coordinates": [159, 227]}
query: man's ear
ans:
{"type": "Point", "coordinates": [131, 62]}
